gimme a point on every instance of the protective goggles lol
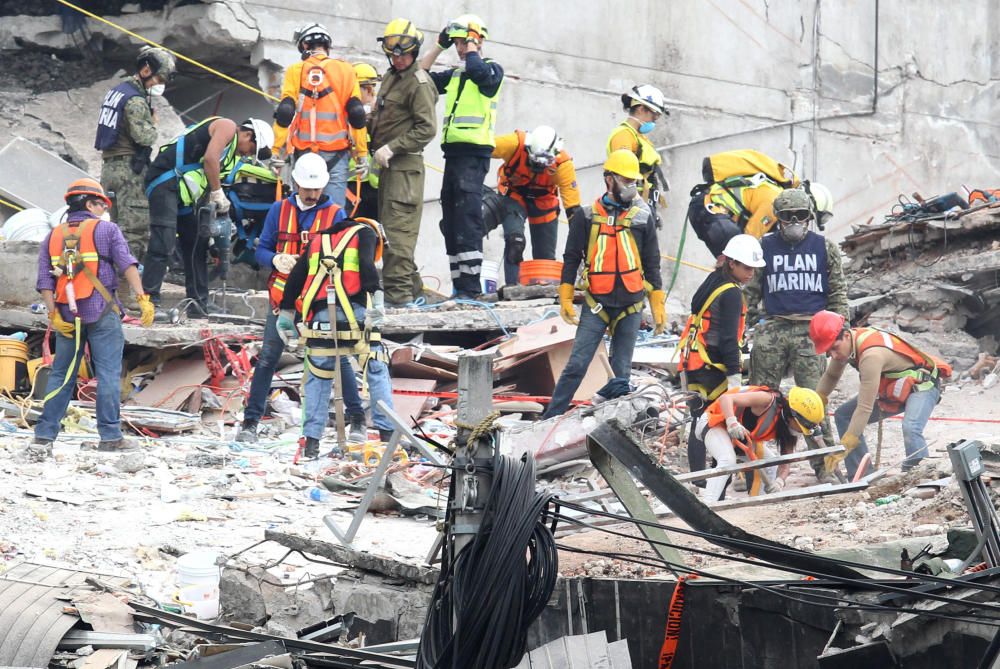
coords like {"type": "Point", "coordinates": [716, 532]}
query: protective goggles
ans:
{"type": "Point", "coordinates": [802, 216]}
{"type": "Point", "coordinates": [805, 426]}
{"type": "Point", "coordinates": [397, 45]}
{"type": "Point", "coordinates": [541, 160]}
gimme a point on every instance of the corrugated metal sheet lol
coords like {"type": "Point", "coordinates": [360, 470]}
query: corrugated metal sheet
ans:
{"type": "Point", "coordinates": [32, 621]}
{"type": "Point", "coordinates": [585, 651]}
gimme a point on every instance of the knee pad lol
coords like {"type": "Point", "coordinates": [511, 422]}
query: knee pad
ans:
{"type": "Point", "coordinates": [513, 251]}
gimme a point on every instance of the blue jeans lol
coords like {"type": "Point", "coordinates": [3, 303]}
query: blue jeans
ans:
{"type": "Point", "coordinates": [271, 349]}
{"type": "Point", "coordinates": [107, 341]}
{"type": "Point", "coordinates": [338, 162]}
{"type": "Point", "coordinates": [589, 335]}
{"type": "Point", "coordinates": [916, 413]}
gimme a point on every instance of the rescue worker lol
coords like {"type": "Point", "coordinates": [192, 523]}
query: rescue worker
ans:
{"type": "Point", "coordinates": [535, 173]}
{"type": "Point", "coordinates": [471, 94]}
{"type": "Point", "coordinates": [746, 418]}
{"type": "Point", "coordinates": [402, 124]}
{"type": "Point", "coordinates": [362, 192]}
{"type": "Point", "coordinates": [126, 132]}
{"type": "Point", "coordinates": [354, 246]}
{"type": "Point", "coordinates": [644, 104]}
{"type": "Point", "coordinates": [738, 193]}
{"type": "Point", "coordinates": [803, 274]}
{"type": "Point", "coordinates": [78, 266]}
{"type": "Point", "coordinates": [321, 110]}
{"type": "Point", "coordinates": [616, 241]}
{"type": "Point", "coordinates": [895, 377]}
{"type": "Point", "coordinates": [712, 341]}
{"type": "Point", "coordinates": [187, 173]}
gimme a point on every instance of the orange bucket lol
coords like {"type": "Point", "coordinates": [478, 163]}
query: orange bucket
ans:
{"type": "Point", "coordinates": [535, 272]}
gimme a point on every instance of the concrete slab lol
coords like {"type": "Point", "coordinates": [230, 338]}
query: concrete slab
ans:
{"type": "Point", "coordinates": [34, 177]}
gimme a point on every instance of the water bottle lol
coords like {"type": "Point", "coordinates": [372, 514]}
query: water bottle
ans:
{"type": "Point", "coordinates": [889, 499]}
{"type": "Point", "coordinates": [318, 494]}
{"type": "Point", "coordinates": [39, 308]}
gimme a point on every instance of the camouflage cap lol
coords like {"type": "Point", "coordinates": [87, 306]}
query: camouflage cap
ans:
{"type": "Point", "coordinates": [792, 199]}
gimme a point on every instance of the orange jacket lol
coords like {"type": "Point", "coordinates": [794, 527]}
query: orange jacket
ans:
{"type": "Point", "coordinates": [292, 241]}
{"type": "Point", "coordinates": [321, 87]}
{"type": "Point", "coordinates": [535, 191]}
{"type": "Point", "coordinates": [766, 426]}
{"type": "Point", "coordinates": [79, 238]}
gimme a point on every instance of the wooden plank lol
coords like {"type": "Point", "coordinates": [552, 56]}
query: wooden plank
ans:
{"type": "Point", "coordinates": [628, 493]}
{"type": "Point", "coordinates": [404, 363]}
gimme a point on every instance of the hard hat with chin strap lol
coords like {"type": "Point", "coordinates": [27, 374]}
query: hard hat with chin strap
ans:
{"type": "Point", "coordinates": [745, 249]}
{"type": "Point", "coordinates": [623, 163]}
{"type": "Point", "coordinates": [806, 408]}
{"type": "Point", "coordinates": [648, 96]}
{"type": "Point", "coordinates": [312, 33]}
{"type": "Point", "coordinates": [461, 26]}
{"type": "Point", "coordinates": [87, 187]}
{"type": "Point", "coordinates": [822, 201]}
{"type": "Point", "coordinates": [263, 136]}
{"type": "Point", "coordinates": [160, 61]}
{"type": "Point", "coordinates": [401, 37]}
{"type": "Point", "coordinates": [310, 171]}
{"type": "Point", "coordinates": [543, 145]}
{"type": "Point", "coordinates": [367, 75]}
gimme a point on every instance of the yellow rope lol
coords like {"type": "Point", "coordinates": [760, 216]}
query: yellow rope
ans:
{"type": "Point", "coordinates": [179, 55]}
{"type": "Point", "coordinates": [703, 268]}
{"type": "Point", "coordinates": [11, 204]}
{"type": "Point", "coordinates": [480, 430]}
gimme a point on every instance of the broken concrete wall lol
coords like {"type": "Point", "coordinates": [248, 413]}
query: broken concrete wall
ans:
{"type": "Point", "coordinates": [795, 80]}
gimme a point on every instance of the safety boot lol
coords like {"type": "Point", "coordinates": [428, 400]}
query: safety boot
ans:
{"type": "Point", "coordinates": [358, 432]}
{"type": "Point", "coordinates": [117, 446]}
{"type": "Point", "coordinates": [247, 433]}
{"type": "Point", "coordinates": [384, 435]}
{"type": "Point", "coordinates": [310, 449]}
{"type": "Point", "coordinates": [39, 449]}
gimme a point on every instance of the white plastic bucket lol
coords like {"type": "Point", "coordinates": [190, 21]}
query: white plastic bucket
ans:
{"type": "Point", "coordinates": [490, 276]}
{"type": "Point", "coordinates": [198, 584]}
{"type": "Point", "coordinates": [201, 600]}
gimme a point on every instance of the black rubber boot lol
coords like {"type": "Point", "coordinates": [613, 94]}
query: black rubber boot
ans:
{"type": "Point", "coordinates": [248, 432]}
{"type": "Point", "coordinates": [358, 431]}
{"type": "Point", "coordinates": [311, 450]}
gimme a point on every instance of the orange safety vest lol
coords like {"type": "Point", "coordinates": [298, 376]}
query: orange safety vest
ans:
{"type": "Point", "coordinates": [895, 387]}
{"type": "Point", "coordinates": [343, 246]}
{"type": "Point", "coordinates": [291, 240]}
{"type": "Point", "coordinates": [694, 346]}
{"type": "Point", "coordinates": [766, 428]}
{"type": "Point", "coordinates": [612, 253]}
{"type": "Point", "coordinates": [72, 250]}
{"type": "Point", "coordinates": [321, 118]}
{"type": "Point", "coordinates": [535, 191]}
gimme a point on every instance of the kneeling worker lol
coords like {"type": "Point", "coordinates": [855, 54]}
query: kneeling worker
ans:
{"type": "Point", "coordinates": [78, 267]}
{"type": "Point", "coordinates": [617, 240]}
{"type": "Point", "coordinates": [893, 372]}
{"type": "Point", "coordinates": [339, 261]}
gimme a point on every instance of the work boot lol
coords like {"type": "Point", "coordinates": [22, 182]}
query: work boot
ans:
{"type": "Point", "coordinates": [385, 435]}
{"type": "Point", "coordinates": [358, 432]}
{"type": "Point", "coordinates": [311, 448]}
{"type": "Point", "coordinates": [39, 450]}
{"type": "Point", "coordinates": [117, 446]}
{"type": "Point", "coordinates": [247, 433]}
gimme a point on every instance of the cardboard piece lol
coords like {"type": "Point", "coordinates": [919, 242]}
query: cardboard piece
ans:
{"type": "Point", "coordinates": [407, 406]}
{"type": "Point", "coordinates": [404, 363]}
{"type": "Point", "coordinates": [173, 386]}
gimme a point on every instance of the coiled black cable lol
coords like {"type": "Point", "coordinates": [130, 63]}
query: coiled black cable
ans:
{"type": "Point", "coordinates": [486, 599]}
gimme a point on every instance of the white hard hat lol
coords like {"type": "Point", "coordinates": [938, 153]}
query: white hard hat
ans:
{"type": "Point", "coordinates": [745, 249]}
{"type": "Point", "coordinates": [263, 136]}
{"type": "Point", "coordinates": [822, 197]}
{"type": "Point", "coordinates": [543, 145]}
{"type": "Point", "coordinates": [312, 32]}
{"type": "Point", "coordinates": [310, 171]}
{"type": "Point", "coordinates": [647, 96]}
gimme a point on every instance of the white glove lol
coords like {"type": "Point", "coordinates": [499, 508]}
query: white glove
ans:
{"type": "Point", "coordinates": [375, 315]}
{"type": "Point", "coordinates": [219, 199]}
{"type": "Point", "coordinates": [277, 164]}
{"type": "Point", "coordinates": [736, 430]}
{"type": "Point", "coordinates": [361, 167]}
{"type": "Point", "coordinates": [383, 155]}
{"type": "Point", "coordinates": [734, 381]}
{"type": "Point", "coordinates": [284, 262]}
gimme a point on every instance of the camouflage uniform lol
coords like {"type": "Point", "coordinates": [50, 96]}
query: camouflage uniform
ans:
{"type": "Point", "coordinates": [138, 133]}
{"type": "Point", "coordinates": [781, 344]}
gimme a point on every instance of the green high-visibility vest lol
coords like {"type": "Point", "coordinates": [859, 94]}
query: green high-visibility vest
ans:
{"type": "Point", "coordinates": [471, 116]}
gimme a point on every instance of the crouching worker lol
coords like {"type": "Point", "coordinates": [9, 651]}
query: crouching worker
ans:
{"type": "Point", "coordinates": [78, 267]}
{"type": "Point", "coordinates": [745, 419]}
{"type": "Point", "coordinates": [339, 267]}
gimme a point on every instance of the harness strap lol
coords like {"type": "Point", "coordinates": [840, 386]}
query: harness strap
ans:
{"type": "Point", "coordinates": [597, 309]}
{"type": "Point", "coordinates": [690, 343]}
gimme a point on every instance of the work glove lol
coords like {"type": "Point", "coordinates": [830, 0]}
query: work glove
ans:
{"type": "Point", "coordinates": [658, 305]}
{"type": "Point", "coordinates": [219, 199]}
{"type": "Point", "coordinates": [375, 315]}
{"type": "Point", "coordinates": [831, 462]}
{"type": "Point", "coordinates": [443, 40]}
{"type": "Point", "coordinates": [566, 309]}
{"type": "Point", "coordinates": [734, 381]}
{"type": "Point", "coordinates": [59, 325]}
{"type": "Point", "coordinates": [361, 167]}
{"type": "Point", "coordinates": [286, 326]}
{"type": "Point", "coordinates": [146, 310]}
{"type": "Point", "coordinates": [736, 430]}
{"type": "Point", "coordinates": [284, 262]}
{"type": "Point", "coordinates": [383, 155]}
{"type": "Point", "coordinates": [277, 164]}
{"type": "Point", "coordinates": [774, 485]}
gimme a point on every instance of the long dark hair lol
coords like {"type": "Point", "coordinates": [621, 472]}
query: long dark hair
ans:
{"type": "Point", "coordinates": [785, 437]}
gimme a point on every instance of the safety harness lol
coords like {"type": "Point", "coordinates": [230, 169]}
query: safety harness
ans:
{"type": "Point", "coordinates": [895, 387]}
{"type": "Point", "coordinates": [194, 187]}
{"type": "Point", "coordinates": [693, 341]}
{"type": "Point", "coordinates": [612, 253]}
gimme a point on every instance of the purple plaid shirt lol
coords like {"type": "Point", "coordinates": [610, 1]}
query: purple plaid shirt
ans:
{"type": "Point", "coordinates": [110, 244]}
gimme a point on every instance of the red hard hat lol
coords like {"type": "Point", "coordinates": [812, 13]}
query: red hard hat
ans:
{"type": "Point", "coordinates": [87, 186]}
{"type": "Point", "coordinates": [824, 328]}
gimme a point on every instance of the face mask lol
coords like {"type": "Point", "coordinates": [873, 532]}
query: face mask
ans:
{"type": "Point", "coordinates": [647, 127]}
{"type": "Point", "coordinates": [302, 205]}
{"type": "Point", "coordinates": [624, 194]}
{"type": "Point", "coordinates": [793, 233]}
{"type": "Point", "coordinates": [106, 216]}
{"type": "Point", "coordinates": [367, 108]}
{"type": "Point", "coordinates": [157, 89]}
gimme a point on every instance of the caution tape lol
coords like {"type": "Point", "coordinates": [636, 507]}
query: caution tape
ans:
{"type": "Point", "coordinates": [672, 633]}
{"type": "Point", "coordinates": [541, 399]}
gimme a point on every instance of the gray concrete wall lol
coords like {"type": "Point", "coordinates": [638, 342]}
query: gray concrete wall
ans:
{"type": "Point", "coordinates": [793, 78]}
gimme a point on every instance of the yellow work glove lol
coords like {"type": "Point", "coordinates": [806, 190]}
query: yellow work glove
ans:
{"type": "Point", "coordinates": [59, 325]}
{"type": "Point", "coordinates": [566, 304]}
{"type": "Point", "coordinates": [658, 305]}
{"type": "Point", "coordinates": [831, 462]}
{"type": "Point", "coordinates": [146, 310]}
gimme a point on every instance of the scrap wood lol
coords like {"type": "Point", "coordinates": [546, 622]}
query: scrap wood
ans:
{"type": "Point", "coordinates": [411, 405]}
{"type": "Point", "coordinates": [404, 361]}
{"type": "Point", "coordinates": [172, 387]}
{"type": "Point", "coordinates": [104, 658]}
{"type": "Point", "coordinates": [64, 497]}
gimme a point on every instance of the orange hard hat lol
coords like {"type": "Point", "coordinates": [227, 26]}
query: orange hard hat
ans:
{"type": "Point", "coordinates": [824, 328]}
{"type": "Point", "coordinates": [87, 186]}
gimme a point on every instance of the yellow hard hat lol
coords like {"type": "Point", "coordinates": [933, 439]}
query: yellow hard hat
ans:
{"type": "Point", "coordinates": [366, 74]}
{"type": "Point", "coordinates": [623, 163]}
{"type": "Point", "coordinates": [462, 25]}
{"type": "Point", "coordinates": [806, 407]}
{"type": "Point", "coordinates": [400, 37]}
